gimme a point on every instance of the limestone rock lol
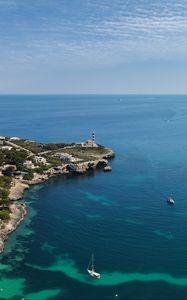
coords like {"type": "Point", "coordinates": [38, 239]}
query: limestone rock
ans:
{"type": "Point", "coordinates": [107, 169]}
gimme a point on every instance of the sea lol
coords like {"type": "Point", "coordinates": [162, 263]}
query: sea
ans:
{"type": "Point", "coordinates": [138, 240]}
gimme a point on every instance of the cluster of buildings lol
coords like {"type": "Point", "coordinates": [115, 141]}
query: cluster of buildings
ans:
{"type": "Point", "coordinates": [3, 142]}
{"type": "Point", "coordinates": [37, 159]}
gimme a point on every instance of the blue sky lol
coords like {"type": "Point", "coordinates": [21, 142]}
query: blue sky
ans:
{"type": "Point", "coordinates": [93, 46]}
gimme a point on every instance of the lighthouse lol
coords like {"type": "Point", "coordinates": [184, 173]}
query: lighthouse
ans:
{"type": "Point", "coordinates": [91, 142]}
{"type": "Point", "coordinates": [93, 137]}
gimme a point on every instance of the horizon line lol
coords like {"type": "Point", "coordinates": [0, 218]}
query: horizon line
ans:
{"type": "Point", "coordinates": [93, 94]}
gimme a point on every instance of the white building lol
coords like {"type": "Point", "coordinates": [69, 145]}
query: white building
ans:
{"type": "Point", "coordinates": [15, 138]}
{"type": "Point", "coordinates": [40, 160]}
{"type": "Point", "coordinates": [2, 138]}
{"type": "Point", "coordinates": [6, 147]}
{"type": "Point", "coordinates": [89, 143]}
{"type": "Point", "coordinates": [28, 164]}
{"type": "Point", "coordinates": [65, 156]}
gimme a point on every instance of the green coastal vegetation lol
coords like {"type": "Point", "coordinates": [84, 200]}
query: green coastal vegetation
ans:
{"type": "Point", "coordinates": [5, 184]}
{"type": "Point", "coordinates": [86, 153]}
{"type": "Point", "coordinates": [38, 147]}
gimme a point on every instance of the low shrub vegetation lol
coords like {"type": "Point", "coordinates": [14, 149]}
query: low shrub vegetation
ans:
{"type": "Point", "coordinates": [4, 214]}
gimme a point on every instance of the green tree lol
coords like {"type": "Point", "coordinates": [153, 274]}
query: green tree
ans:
{"type": "Point", "coordinates": [2, 156]}
{"type": "Point", "coordinates": [4, 214]}
{"type": "Point", "coordinates": [5, 182]}
{"type": "Point", "coordinates": [4, 194]}
{"type": "Point", "coordinates": [28, 176]}
{"type": "Point", "coordinates": [15, 157]}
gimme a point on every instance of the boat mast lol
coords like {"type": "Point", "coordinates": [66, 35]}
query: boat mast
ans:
{"type": "Point", "coordinates": [92, 262]}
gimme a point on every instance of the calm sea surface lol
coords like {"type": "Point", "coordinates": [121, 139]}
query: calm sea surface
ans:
{"type": "Point", "coordinates": [139, 242]}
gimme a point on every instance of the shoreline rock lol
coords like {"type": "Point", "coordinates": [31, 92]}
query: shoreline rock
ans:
{"type": "Point", "coordinates": [18, 212]}
{"type": "Point", "coordinates": [17, 189]}
{"type": "Point", "coordinates": [107, 169]}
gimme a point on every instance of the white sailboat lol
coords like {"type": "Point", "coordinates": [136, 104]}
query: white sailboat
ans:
{"type": "Point", "coordinates": [91, 270]}
{"type": "Point", "coordinates": [170, 200]}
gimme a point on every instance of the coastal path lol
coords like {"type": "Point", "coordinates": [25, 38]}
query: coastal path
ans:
{"type": "Point", "coordinates": [20, 147]}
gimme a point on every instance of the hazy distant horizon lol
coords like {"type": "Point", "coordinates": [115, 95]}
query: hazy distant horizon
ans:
{"type": "Point", "coordinates": [92, 94]}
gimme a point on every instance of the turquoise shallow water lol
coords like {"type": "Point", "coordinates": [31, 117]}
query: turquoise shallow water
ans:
{"type": "Point", "coordinates": [139, 241]}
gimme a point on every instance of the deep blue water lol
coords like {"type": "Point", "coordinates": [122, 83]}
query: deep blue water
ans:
{"type": "Point", "coordinates": [139, 241]}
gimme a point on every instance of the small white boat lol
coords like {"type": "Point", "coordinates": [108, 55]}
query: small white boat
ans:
{"type": "Point", "coordinates": [170, 200]}
{"type": "Point", "coordinates": [91, 270]}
